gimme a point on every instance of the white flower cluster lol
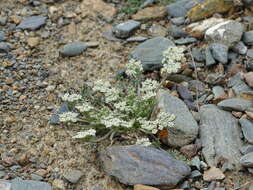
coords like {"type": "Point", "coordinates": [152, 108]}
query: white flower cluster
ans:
{"type": "Point", "coordinates": [83, 134]}
{"type": "Point", "coordinates": [134, 68]}
{"type": "Point", "coordinates": [68, 117]}
{"type": "Point", "coordinates": [113, 120]}
{"type": "Point", "coordinates": [164, 120]}
{"type": "Point", "coordinates": [121, 106]}
{"type": "Point", "coordinates": [172, 58]}
{"type": "Point", "coordinates": [84, 107]}
{"type": "Point", "coordinates": [148, 89]}
{"type": "Point", "coordinates": [71, 97]}
{"type": "Point", "coordinates": [143, 142]}
{"type": "Point", "coordinates": [111, 94]}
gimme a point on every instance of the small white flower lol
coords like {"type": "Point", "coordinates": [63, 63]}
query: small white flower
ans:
{"type": "Point", "coordinates": [149, 125]}
{"type": "Point", "coordinates": [83, 134]}
{"type": "Point", "coordinates": [148, 89]}
{"type": "Point", "coordinates": [165, 120]}
{"type": "Point", "coordinates": [71, 97]}
{"type": "Point", "coordinates": [134, 68]}
{"type": "Point", "coordinates": [68, 117]}
{"type": "Point", "coordinates": [143, 142]}
{"type": "Point", "coordinates": [85, 107]}
{"type": "Point", "coordinates": [113, 120]}
{"type": "Point", "coordinates": [121, 106]}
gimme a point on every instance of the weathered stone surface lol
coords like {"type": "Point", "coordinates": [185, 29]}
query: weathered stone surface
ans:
{"type": "Point", "coordinates": [225, 33]}
{"type": "Point", "coordinates": [220, 136]}
{"type": "Point", "coordinates": [177, 32]}
{"type": "Point", "coordinates": [208, 8]}
{"type": "Point", "coordinates": [2, 36]}
{"type": "Point", "coordinates": [219, 52]}
{"type": "Point", "coordinates": [32, 23]}
{"type": "Point", "coordinates": [136, 39]}
{"type": "Point", "coordinates": [5, 185]}
{"type": "Point", "coordinates": [4, 47]}
{"type": "Point", "coordinates": [73, 175]}
{"type": "Point", "coordinates": [150, 52]}
{"type": "Point", "coordinates": [150, 13]}
{"type": "Point", "coordinates": [209, 57]}
{"type": "Point", "coordinates": [235, 104]}
{"type": "Point", "coordinates": [143, 165]}
{"type": "Point", "coordinates": [19, 184]}
{"type": "Point", "coordinates": [73, 49]}
{"type": "Point", "coordinates": [247, 160]}
{"type": "Point", "coordinates": [180, 8]}
{"type": "Point", "coordinates": [178, 21]}
{"type": "Point", "coordinates": [240, 48]}
{"type": "Point", "coordinates": [248, 37]}
{"type": "Point", "coordinates": [213, 174]}
{"type": "Point", "coordinates": [184, 41]}
{"type": "Point", "coordinates": [186, 128]}
{"type": "Point", "coordinates": [246, 149]}
{"type": "Point", "coordinates": [247, 129]}
{"type": "Point", "coordinates": [144, 187]}
{"type": "Point", "coordinates": [124, 30]}
{"type": "Point", "coordinates": [198, 54]}
{"type": "Point", "coordinates": [249, 78]}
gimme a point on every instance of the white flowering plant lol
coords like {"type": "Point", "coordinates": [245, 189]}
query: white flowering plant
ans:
{"type": "Point", "coordinates": [102, 109]}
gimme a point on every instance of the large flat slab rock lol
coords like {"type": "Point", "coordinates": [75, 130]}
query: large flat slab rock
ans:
{"type": "Point", "coordinates": [235, 104]}
{"type": "Point", "coordinates": [19, 184]}
{"type": "Point", "coordinates": [220, 137]}
{"type": "Point", "coordinates": [32, 23]}
{"type": "Point", "coordinates": [186, 128]}
{"type": "Point", "coordinates": [150, 52]}
{"type": "Point", "coordinates": [143, 165]}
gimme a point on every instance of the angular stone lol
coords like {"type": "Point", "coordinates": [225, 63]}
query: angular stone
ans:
{"type": "Point", "coordinates": [177, 32]}
{"type": "Point", "coordinates": [2, 36]}
{"type": "Point", "coordinates": [4, 47]}
{"type": "Point", "coordinates": [208, 8]}
{"type": "Point", "coordinates": [150, 13]}
{"type": "Point", "coordinates": [184, 41]}
{"type": "Point", "coordinates": [184, 93]}
{"type": "Point", "coordinates": [248, 37]}
{"type": "Point", "coordinates": [249, 78]}
{"type": "Point", "coordinates": [32, 23]}
{"type": "Point", "coordinates": [225, 33]}
{"type": "Point", "coordinates": [178, 21]}
{"type": "Point", "coordinates": [186, 128]}
{"type": "Point", "coordinates": [54, 119]}
{"type": "Point", "coordinates": [209, 57]}
{"type": "Point", "coordinates": [250, 53]}
{"type": "Point", "coordinates": [218, 91]}
{"type": "Point", "coordinates": [198, 54]}
{"type": "Point", "coordinates": [246, 149]}
{"type": "Point", "coordinates": [73, 49]}
{"type": "Point", "coordinates": [247, 129]}
{"type": "Point", "coordinates": [219, 52]}
{"type": "Point", "coordinates": [73, 176]}
{"type": "Point", "coordinates": [134, 164]}
{"type": "Point", "coordinates": [247, 160]}
{"type": "Point", "coordinates": [19, 184]}
{"type": "Point", "coordinates": [126, 29]}
{"type": "Point", "coordinates": [213, 174]}
{"type": "Point", "coordinates": [156, 30]}
{"type": "Point", "coordinates": [136, 39]}
{"type": "Point", "coordinates": [240, 48]}
{"type": "Point", "coordinates": [220, 136]}
{"type": "Point", "coordinates": [235, 104]}
{"type": "Point", "coordinates": [150, 52]}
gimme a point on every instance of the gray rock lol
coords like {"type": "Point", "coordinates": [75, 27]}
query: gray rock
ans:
{"type": "Point", "coordinates": [136, 39]}
{"type": "Point", "coordinates": [54, 119]}
{"type": "Point", "coordinates": [2, 174]}
{"type": "Point", "coordinates": [250, 53]}
{"type": "Point", "coordinates": [177, 32]}
{"type": "Point", "coordinates": [196, 85]}
{"type": "Point", "coordinates": [73, 49]}
{"type": "Point", "coordinates": [225, 33]}
{"type": "Point", "coordinates": [32, 23]}
{"type": "Point", "coordinates": [184, 41]}
{"type": "Point", "coordinates": [143, 165]}
{"type": "Point", "coordinates": [209, 57]}
{"type": "Point", "coordinates": [196, 162]}
{"type": "Point", "coordinates": [198, 54]}
{"type": "Point", "coordinates": [185, 185]}
{"type": "Point", "coordinates": [73, 176]}
{"type": "Point", "coordinates": [246, 149]}
{"type": "Point", "coordinates": [186, 128]}
{"type": "Point", "coordinates": [247, 160]}
{"type": "Point", "coordinates": [180, 7]}
{"type": "Point", "coordinates": [215, 78]}
{"type": "Point", "coordinates": [126, 29]}
{"type": "Point", "coordinates": [36, 177]}
{"type": "Point", "coordinates": [219, 52]}
{"type": "Point", "coordinates": [178, 21]}
{"type": "Point", "coordinates": [220, 137]}
{"type": "Point", "coordinates": [248, 37]}
{"type": "Point", "coordinates": [240, 48]}
{"type": "Point", "coordinates": [5, 185]}
{"type": "Point", "coordinates": [235, 104]}
{"type": "Point", "coordinates": [247, 129]}
{"type": "Point", "coordinates": [195, 174]}
{"type": "Point", "coordinates": [184, 93]}
{"type": "Point", "coordinates": [19, 184]}
{"type": "Point", "coordinates": [3, 20]}
{"type": "Point", "coordinates": [4, 47]}
{"type": "Point", "coordinates": [150, 52]}
{"type": "Point", "coordinates": [218, 91]}
{"type": "Point", "coordinates": [2, 36]}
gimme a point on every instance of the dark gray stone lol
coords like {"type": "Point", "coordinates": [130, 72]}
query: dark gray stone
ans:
{"type": "Point", "coordinates": [248, 37]}
{"type": "Point", "coordinates": [73, 49]}
{"type": "Point", "coordinates": [4, 47]}
{"type": "Point", "coordinates": [246, 149]}
{"type": "Point", "coordinates": [235, 104]}
{"type": "Point", "coordinates": [19, 184]}
{"type": "Point", "coordinates": [220, 136]}
{"type": "Point", "coordinates": [178, 21]}
{"type": "Point", "coordinates": [240, 48]}
{"type": "Point", "coordinates": [184, 93]}
{"type": "Point", "coordinates": [198, 54]}
{"type": "Point", "coordinates": [219, 52]}
{"type": "Point", "coordinates": [2, 36]}
{"type": "Point", "coordinates": [209, 57]}
{"type": "Point", "coordinates": [247, 160]}
{"type": "Point", "coordinates": [215, 78]}
{"type": "Point", "coordinates": [54, 119]}
{"type": "Point", "coordinates": [247, 129]}
{"type": "Point", "coordinates": [196, 85]}
{"type": "Point", "coordinates": [177, 32]}
{"type": "Point", "coordinates": [195, 174]}
{"type": "Point", "coordinates": [136, 39]}
{"type": "Point", "coordinates": [126, 29]}
{"type": "Point", "coordinates": [143, 165]}
{"type": "Point", "coordinates": [32, 23]}
{"type": "Point", "coordinates": [178, 78]}
{"type": "Point", "coordinates": [73, 176]}
{"type": "Point", "coordinates": [150, 52]}
{"type": "Point", "coordinates": [184, 41]}
{"type": "Point", "coordinates": [196, 162]}
{"type": "Point", "coordinates": [250, 53]}
{"type": "Point", "coordinates": [186, 128]}
{"type": "Point", "coordinates": [185, 185]}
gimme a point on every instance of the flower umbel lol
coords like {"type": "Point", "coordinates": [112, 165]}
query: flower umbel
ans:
{"type": "Point", "coordinates": [68, 117]}
{"type": "Point", "coordinates": [143, 142]}
{"type": "Point", "coordinates": [85, 107]}
{"type": "Point", "coordinates": [134, 68]}
{"type": "Point", "coordinates": [71, 97]}
{"type": "Point", "coordinates": [84, 134]}
{"type": "Point", "coordinates": [148, 89]}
